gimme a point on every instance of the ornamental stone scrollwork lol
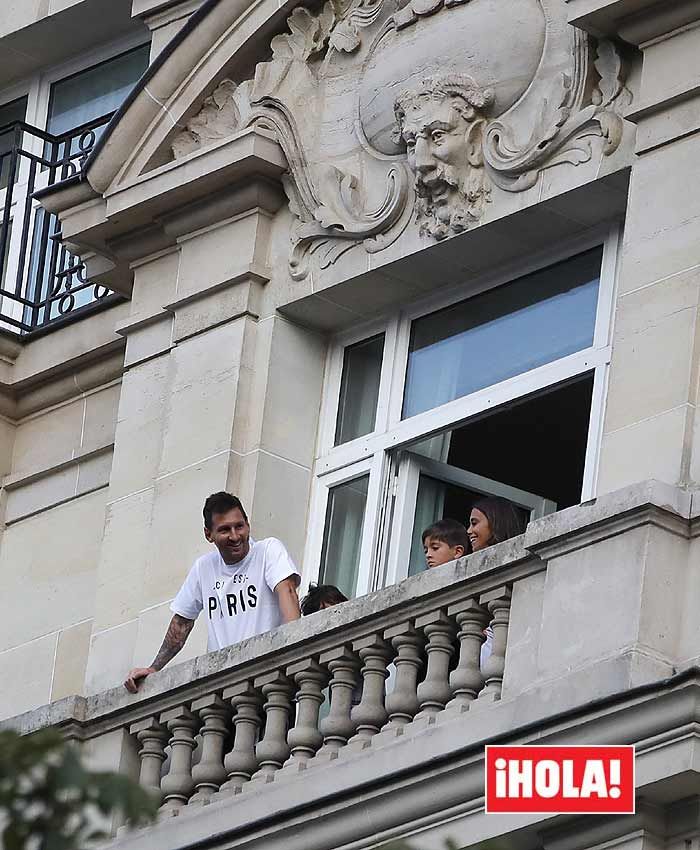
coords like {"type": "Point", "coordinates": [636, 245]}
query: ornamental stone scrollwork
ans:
{"type": "Point", "coordinates": [442, 122]}
{"type": "Point", "coordinates": [389, 111]}
{"type": "Point", "coordinates": [218, 118]}
{"type": "Point", "coordinates": [567, 126]}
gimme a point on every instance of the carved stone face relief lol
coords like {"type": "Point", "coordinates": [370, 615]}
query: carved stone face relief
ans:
{"type": "Point", "coordinates": [390, 111]}
{"type": "Point", "coordinates": [441, 123]}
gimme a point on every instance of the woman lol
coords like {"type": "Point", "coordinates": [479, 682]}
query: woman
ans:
{"type": "Point", "coordinates": [493, 520]}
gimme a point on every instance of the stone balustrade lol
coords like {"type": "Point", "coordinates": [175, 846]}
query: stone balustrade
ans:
{"type": "Point", "coordinates": [589, 603]}
{"type": "Point", "coordinates": [251, 727]}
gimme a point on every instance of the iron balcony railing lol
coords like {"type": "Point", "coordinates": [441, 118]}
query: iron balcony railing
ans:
{"type": "Point", "coordinates": [41, 282]}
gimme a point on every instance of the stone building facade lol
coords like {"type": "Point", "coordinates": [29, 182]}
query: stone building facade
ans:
{"type": "Point", "coordinates": [360, 262]}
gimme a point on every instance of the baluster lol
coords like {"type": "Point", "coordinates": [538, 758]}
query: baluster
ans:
{"type": "Point", "coordinates": [177, 785]}
{"type": "Point", "coordinates": [498, 603]}
{"type": "Point", "coordinates": [467, 680]}
{"type": "Point", "coordinates": [370, 715]}
{"type": "Point", "coordinates": [402, 702]}
{"type": "Point", "coordinates": [305, 738]}
{"type": "Point", "coordinates": [435, 691]}
{"type": "Point", "coordinates": [273, 749]}
{"type": "Point", "coordinates": [240, 764]}
{"type": "Point", "coordinates": [210, 773]}
{"type": "Point", "coordinates": [337, 727]}
{"type": "Point", "coordinates": [153, 737]}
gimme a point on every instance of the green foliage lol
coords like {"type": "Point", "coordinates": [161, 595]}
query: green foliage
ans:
{"type": "Point", "coordinates": [49, 801]}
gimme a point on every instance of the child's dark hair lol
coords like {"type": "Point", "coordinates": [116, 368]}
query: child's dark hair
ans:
{"type": "Point", "coordinates": [448, 531]}
{"type": "Point", "coordinates": [221, 503]}
{"type": "Point", "coordinates": [318, 595]}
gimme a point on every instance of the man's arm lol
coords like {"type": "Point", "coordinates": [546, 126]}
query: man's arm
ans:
{"type": "Point", "coordinates": [174, 640]}
{"type": "Point", "coordinates": [288, 600]}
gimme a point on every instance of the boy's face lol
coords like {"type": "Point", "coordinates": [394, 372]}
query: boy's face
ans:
{"type": "Point", "coordinates": [438, 552]}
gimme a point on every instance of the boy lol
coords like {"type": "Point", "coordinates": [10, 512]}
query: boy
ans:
{"type": "Point", "coordinates": [444, 541]}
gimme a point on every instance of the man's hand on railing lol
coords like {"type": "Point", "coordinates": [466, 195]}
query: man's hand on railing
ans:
{"type": "Point", "coordinates": [174, 640]}
{"type": "Point", "coordinates": [136, 676]}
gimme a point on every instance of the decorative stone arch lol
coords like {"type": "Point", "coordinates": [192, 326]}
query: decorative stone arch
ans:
{"type": "Point", "coordinates": [319, 109]}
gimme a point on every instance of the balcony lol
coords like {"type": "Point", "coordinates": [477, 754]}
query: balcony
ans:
{"type": "Point", "coordinates": [595, 641]}
{"type": "Point", "coordinates": [41, 283]}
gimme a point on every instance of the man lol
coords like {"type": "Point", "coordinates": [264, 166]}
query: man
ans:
{"type": "Point", "coordinates": [246, 587]}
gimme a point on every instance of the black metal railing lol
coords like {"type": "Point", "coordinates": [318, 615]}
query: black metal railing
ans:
{"type": "Point", "coordinates": [41, 282]}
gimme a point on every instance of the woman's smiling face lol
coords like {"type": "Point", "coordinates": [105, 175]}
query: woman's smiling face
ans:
{"type": "Point", "coordinates": [479, 530]}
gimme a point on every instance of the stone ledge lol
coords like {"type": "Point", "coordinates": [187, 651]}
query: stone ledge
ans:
{"type": "Point", "coordinates": [382, 788]}
{"type": "Point", "coordinates": [636, 21]}
{"type": "Point", "coordinates": [649, 502]}
{"type": "Point", "coordinates": [70, 479]}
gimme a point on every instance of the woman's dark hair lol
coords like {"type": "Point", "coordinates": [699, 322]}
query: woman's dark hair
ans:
{"type": "Point", "coordinates": [318, 595]}
{"type": "Point", "coordinates": [505, 519]}
{"type": "Point", "coordinates": [221, 503]}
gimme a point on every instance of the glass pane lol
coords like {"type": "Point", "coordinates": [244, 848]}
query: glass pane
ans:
{"type": "Point", "coordinates": [345, 515]}
{"type": "Point", "coordinates": [359, 389]}
{"type": "Point", "coordinates": [95, 92]}
{"type": "Point", "coordinates": [430, 503]}
{"type": "Point", "coordinates": [9, 113]}
{"type": "Point", "coordinates": [502, 333]}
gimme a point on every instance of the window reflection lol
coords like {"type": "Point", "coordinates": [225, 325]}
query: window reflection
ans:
{"type": "Point", "coordinates": [340, 557]}
{"type": "Point", "coordinates": [359, 389]}
{"type": "Point", "coordinates": [502, 333]}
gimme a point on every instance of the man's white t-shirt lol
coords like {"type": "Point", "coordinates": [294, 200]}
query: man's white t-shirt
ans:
{"type": "Point", "coordinates": [238, 599]}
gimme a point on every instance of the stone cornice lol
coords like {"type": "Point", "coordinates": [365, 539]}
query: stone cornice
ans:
{"type": "Point", "coordinates": [239, 174]}
{"type": "Point", "coordinates": [635, 21]}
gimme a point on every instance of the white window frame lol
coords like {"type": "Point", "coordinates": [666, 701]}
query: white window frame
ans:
{"type": "Point", "coordinates": [376, 452]}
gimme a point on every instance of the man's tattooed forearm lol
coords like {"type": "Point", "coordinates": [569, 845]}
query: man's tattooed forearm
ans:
{"type": "Point", "coordinates": [173, 641]}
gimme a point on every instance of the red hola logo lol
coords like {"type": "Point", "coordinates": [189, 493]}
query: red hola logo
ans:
{"type": "Point", "coordinates": [562, 780]}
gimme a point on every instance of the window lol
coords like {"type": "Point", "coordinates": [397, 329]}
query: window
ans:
{"type": "Point", "coordinates": [340, 558]}
{"type": "Point", "coordinates": [94, 93]}
{"type": "Point", "coordinates": [359, 389]}
{"type": "Point", "coordinates": [60, 100]}
{"type": "Point", "coordinates": [502, 332]}
{"type": "Point", "coordinates": [494, 390]}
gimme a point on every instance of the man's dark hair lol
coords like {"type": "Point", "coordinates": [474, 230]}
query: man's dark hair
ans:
{"type": "Point", "coordinates": [318, 595]}
{"type": "Point", "coordinates": [448, 531]}
{"type": "Point", "coordinates": [221, 503]}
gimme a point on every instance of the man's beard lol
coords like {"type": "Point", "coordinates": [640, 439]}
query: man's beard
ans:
{"type": "Point", "coordinates": [449, 202]}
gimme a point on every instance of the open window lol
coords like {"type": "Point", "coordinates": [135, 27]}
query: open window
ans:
{"type": "Point", "coordinates": [497, 392]}
{"type": "Point", "coordinates": [531, 452]}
